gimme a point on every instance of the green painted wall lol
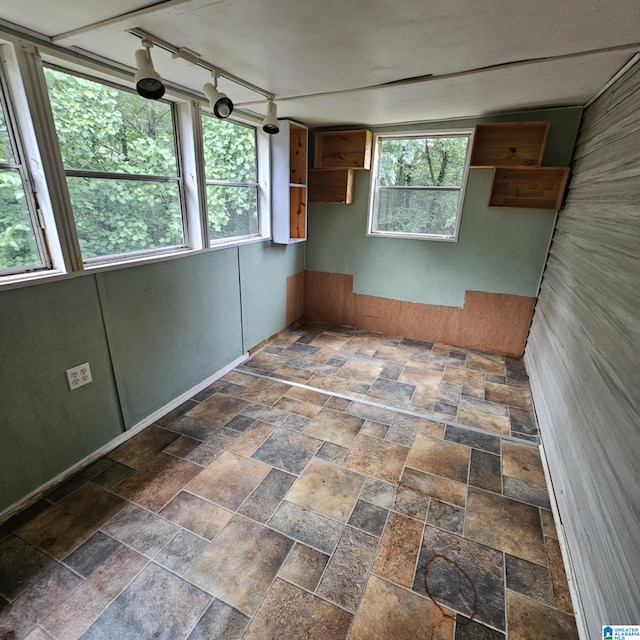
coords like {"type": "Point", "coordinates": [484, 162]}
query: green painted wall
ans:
{"type": "Point", "coordinates": [498, 250]}
{"type": "Point", "coordinates": [150, 333]}
{"type": "Point", "coordinates": [264, 268]}
{"type": "Point", "coordinates": [170, 325]}
{"type": "Point", "coordinates": [44, 427]}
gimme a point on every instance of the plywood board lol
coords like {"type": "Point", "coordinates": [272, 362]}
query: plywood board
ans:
{"type": "Point", "coordinates": [295, 297]}
{"type": "Point", "coordinates": [487, 322]}
{"type": "Point", "coordinates": [328, 297]}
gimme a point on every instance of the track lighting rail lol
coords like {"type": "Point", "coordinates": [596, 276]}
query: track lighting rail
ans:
{"type": "Point", "coordinates": [193, 58]}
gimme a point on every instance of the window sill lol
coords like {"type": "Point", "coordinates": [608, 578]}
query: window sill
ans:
{"type": "Point", "coordinates": [409, 236]}
{"type": "Point", "coordinates": [17, 281]}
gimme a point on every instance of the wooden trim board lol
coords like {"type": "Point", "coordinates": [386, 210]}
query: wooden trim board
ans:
{"type": "Point", "coordinates": [495, 322]}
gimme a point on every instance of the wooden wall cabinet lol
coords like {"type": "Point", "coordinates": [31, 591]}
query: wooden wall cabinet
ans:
{"type": "Point", "coordinates": [502, 144]}
{"type": "Point", "coordinates": [289, 183]}
{"type": "Point", "coordinates": [514, 150]}
{"type": "Point", "coordinates": [331, 185]}
{"type": "Point", "coordinates": [529, 187]}
{"type": "Point", "coordinates": [343, 149]}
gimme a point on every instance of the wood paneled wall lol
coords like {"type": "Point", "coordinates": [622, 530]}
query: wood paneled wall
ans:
{"type": "Point", "coordinates": [488, 321]}
{"type": "Point", "coordinates": [584, 363]}
{"type": "Point", "coordinates": [295, 297]}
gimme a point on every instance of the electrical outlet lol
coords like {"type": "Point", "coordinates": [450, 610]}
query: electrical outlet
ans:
{"type": "Point", "coordinates": [79, 376]}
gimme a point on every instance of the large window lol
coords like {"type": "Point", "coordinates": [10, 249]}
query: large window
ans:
{"type": "Point", "coordinates": [21, 242]}
{"type": "Point", "coordinates": [120, 160]}
{"type": "Point", "coordinates": [418, 184]}
{"type": "Point", "coordinates": [231, 172]}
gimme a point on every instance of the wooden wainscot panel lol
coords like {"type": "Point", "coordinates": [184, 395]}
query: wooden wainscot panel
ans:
{"type": "Point", "coordinates": [328, 297]}
{"type": "Point", "coordinates": [378, 314]}
{"type": "Point", "coordinates": [331, 185]}
{"type": "Point", "coordinates": [488, 321]}
{"type": "Point", "coordinates": [497, 321]}
{"type": "Point", "coordinates": [295, 297]}
{"type": "Point", "coordinates": [509, 144]}
{"type": "Point", "coordinates": [529, 187]}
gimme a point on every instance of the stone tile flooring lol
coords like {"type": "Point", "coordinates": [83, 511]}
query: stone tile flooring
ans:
{"type": "Point", "coordinates": [261, 509]}
{"type": "Point", "coordinates": [482, 390]}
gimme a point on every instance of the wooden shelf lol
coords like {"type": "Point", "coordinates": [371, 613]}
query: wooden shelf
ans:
{"type": "Point", "coordinates": [298, 154]}
{"type": "Point", "coordinates": [331, 185]}
{"type": "Point", "coordinates": [509, 144]}
{"type": "Point", "coordinates": [343, 149]}
{"type": "Point", "coordinates": [529, 187]}
{"type": "Point", "coordinates": [298, 213]}
{"type": "Point", "coordinates": [289, 183]}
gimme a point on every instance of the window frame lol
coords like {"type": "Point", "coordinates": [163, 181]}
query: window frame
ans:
{"type": "Point", "coordinates": [131, 256]}
{"type": "Point", "coordinates": [262, 184]}
{"type": "Point", "coordinates": [20, 165]}
{"type": "Point", "coordinates": [25, 61]}
{"type": "Point", "coordinates": [375, 188]}
{"type": "Point", "coordinates": [214, 242]}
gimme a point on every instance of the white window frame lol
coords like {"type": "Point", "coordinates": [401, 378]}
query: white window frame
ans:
{"type": "Point", "coordinates": [375, 187]}
{"type": "Point", "coordinates": [262, 184]}
{"type": "Point", "coordinates": [24, 66]}
{"type": "Point", "coordinates": [20, 165]}
{"type": "Point", "coordinates": [178, 179]}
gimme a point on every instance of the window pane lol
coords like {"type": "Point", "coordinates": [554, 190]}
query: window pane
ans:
{"type": "Point", "coordinates": [120, 216]}
{"type": "Point", "coordinates": [408, 211]}
{"type": "Point", "coordinates": [423, 161]}
{"type": "Point", "coordinates": [17, 238]}
{"type": "Point", "coordinates": [6, 153]}
{"type": "Point", "coordinates": [229, 151]}
{"type": "Point", "coordinates": [101, 128]}
{"type": "Point", "coordinates": [233, 211]}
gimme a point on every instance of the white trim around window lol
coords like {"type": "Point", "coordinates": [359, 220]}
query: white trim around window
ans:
{"type": "Point", "coordinates": [443, 193]}
{"type": "Point", "coordinates": [44, 171]}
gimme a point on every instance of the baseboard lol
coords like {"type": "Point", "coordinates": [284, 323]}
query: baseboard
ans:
{"type": "Point", "coordinates": [35, 495]}
{"type": "Point", "coordinates": [576, 601]}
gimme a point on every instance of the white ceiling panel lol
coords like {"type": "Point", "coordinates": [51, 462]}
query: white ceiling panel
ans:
{"type": "Point", "coordinates": [537, 85]}
{"type": "Point", "coordinates": [50, 18]}
{"type": "Point", "coordinates": [299, 48]}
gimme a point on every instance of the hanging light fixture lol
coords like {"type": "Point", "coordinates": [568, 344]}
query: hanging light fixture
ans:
{"type": "Point", "coordinates": [270, 123]}
{"type": "Point", "coordinates": [148, 81]}
{"type": "Point", "coordinates": [221, 105]}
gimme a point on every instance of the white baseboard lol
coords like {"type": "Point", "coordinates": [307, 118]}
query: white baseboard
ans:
{"type": "Point", "coordinates": [35, 495]}
{"type": "Point", "coordinates": [576, 601]}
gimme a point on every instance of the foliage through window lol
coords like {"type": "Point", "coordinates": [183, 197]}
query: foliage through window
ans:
{"type": "Point", "coordinates": [418, 187]}
{"type": "Point", "coordinates": [21, 246]}
{"type": "Point", "coordinates": [231, 172]}
{"type": "Point", "coordinates": [120, 159]}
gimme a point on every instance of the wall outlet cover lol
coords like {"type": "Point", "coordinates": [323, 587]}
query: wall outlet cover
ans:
{"type": "Point", "coordinates": [79, 376]}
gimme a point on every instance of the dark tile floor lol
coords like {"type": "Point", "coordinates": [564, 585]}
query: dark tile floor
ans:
{"type": "Point", "coordinates": [267, 510]}
{"type": "Point", "coordinates": [482, 390]}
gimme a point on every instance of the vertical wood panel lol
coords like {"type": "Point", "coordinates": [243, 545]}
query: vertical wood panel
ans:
{"type": "Point", "coordinates": [295, 297]}
{"type": "Point", "coordinates": [328, 297]}
{"type": "Point", "coordinates": [583, 359]}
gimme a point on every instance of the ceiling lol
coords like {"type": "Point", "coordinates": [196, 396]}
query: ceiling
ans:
{"type": "Point", "coordinates": [325, 60]}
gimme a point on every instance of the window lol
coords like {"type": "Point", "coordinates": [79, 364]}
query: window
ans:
{"type": "Point", "coordinates": [121, 164]}
{"type": "Point", "coordinates": [21, 242]}
{"type": "Point", "coordinates": [418, 184]}
{"type": "Point", "coordinates": [231, 172]}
